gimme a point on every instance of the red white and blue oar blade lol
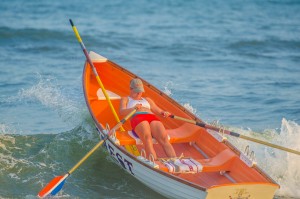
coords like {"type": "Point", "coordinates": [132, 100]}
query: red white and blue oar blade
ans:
{"type": "Point", "coordinates": [53, 187]}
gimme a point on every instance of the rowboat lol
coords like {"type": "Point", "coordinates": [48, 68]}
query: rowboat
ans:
{"type": "Point", "coordinates": [208, 166]}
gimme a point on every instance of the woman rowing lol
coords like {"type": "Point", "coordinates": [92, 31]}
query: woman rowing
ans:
{"type": "Point", "coordinates": [145, 123]}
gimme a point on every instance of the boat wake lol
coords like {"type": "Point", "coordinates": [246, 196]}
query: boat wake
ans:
{"type": "Point", "coordinates": [282, 166]}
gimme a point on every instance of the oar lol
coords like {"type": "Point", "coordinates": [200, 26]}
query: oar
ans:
{"type": "Point", "coordinates": [56, 184]}
{"type": "Point", "coordinates": [131, 148]}
{"type": "Point", "coordinates": [207, 126]}
{"type": "Point", "coordinates": [94, 71]}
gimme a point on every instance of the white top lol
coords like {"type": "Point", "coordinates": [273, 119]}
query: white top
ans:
{"type": "Point", "coordinates": [131, 103]}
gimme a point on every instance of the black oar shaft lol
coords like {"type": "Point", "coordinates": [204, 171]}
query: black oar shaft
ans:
{"type": "Point", "coordinates": [231, 133]}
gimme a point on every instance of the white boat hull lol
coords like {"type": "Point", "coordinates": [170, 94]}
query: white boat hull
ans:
{"type": "Point", "coordinates": [153, 178]}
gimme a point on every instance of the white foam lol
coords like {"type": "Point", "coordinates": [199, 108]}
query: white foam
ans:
{"type": "Point", "coordinates": [189, 107]}
{"type": "Point", "coordinates": [5, 130]}
{"type": "Point", "coordinates": [49, 94]}
{"type": "Point", "coordinates": [167, 89]}
{"type": "Point", "coordinates": [287, 169]}
{"type": "Point", "coordinates": [282, 166]}
{"type": "Point", "coordinates": [14, 176]}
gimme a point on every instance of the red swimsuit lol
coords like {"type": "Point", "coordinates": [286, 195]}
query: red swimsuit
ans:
{"type": "Point", "coordinates": [140, 117]}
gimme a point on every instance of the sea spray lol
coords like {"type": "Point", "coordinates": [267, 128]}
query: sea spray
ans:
{"type": "Point", "coordinates": [167, 88]}
{"type": "Point", "coordinates": [52, 96]}
{"type": "Point", "coordinates": [288, 173]}
{"type": "Point", "coordinates": [28, 161]}
{"type": "Point", "coordinates": [282, 166]}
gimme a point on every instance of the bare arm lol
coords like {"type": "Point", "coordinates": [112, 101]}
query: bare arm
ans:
{"type": "Point", "coordinates": [155, 109]}
{"type": "Point", "coordinates": [123, 107]}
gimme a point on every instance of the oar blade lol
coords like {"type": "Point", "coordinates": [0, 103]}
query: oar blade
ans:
{"type": "Point", "coordinates": [53, 187]}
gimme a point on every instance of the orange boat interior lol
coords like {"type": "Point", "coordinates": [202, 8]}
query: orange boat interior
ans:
{"type": "Point", "coordinates": [187, 139]}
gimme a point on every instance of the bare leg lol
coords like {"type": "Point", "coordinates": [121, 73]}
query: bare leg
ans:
{"type": "Point", "coordinates": [159, 133]}
{"type": "Point", "coordinates": [144, 132]}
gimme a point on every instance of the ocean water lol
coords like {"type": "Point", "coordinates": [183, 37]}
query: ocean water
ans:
{"type": "Point", "coordinates": [235, 62]}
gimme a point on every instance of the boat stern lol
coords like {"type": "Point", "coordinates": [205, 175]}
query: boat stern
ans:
{"type": "Point", "coordinates": [243, 191]}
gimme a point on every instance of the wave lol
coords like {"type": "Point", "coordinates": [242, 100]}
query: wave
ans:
{"type": "Point", "coordinates": [56, 41]}
{"type": "Point", "coordinates": [32, 34]}
{"type": "Point", "coordinates": [33, 41]}
{"type": "Point", "coordinates": [287, 2]}
{"type": "Point", "coordinates": [49, 94]}
{"type": "Point", "coordinates": [288, 174]}
{"type": "Point", "coordinates": [280, 165]}
{"type": "Point", "coordinates": [266, 47]}
{"type": "Point", "coordinates": [29, 161]}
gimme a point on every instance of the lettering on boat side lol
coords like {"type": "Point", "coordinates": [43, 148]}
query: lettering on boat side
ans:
{"type": "Point", "coordinates": [126, 164]}
{"type": "Point", "coordinates": [240, 194]}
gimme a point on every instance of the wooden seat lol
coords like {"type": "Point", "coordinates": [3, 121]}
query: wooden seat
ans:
{"type": "Point", "coordinates": [185, 133]}
{"type": "Point", "coordinates": [221, 162]}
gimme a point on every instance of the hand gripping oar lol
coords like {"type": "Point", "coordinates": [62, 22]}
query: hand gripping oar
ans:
{"type": "Point", "coordinates": [56, 184]}
{"type": "Point", "coordinates": [94, 71]}
{"type": "Point", "coordinates": [207, 126]}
